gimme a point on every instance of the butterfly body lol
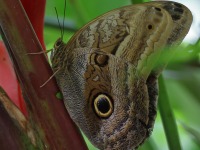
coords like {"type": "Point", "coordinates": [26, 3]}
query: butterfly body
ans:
{"type": "Point", "coordinates": [107, 71]}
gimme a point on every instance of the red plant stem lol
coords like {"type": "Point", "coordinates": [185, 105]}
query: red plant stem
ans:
{"type": "Point", "coordinates": [49, 116]}
{"type": "Point", "coordinates": [12, 135]}
{"type": "Point", "coordinates": [8, 80]}
{"type": "Point", "coordinates": [9, 129]}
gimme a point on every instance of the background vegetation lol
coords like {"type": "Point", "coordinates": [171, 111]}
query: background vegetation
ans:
{"type": "Point", "coordinates": [181, 77]}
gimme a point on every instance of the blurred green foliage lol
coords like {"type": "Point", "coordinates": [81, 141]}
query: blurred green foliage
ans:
{"type": "Point", "coordinates": [182, 76]}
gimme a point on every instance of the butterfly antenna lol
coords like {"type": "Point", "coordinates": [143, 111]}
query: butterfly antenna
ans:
{"type": "Point", "coordinates": [64, 16]}
{"type": "Point", "coordinates": [59, 24]}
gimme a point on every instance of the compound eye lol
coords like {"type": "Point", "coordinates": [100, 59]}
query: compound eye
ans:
{"type": "Point", "coordinates": [103, 106]}
{"type": "Point", "coordinates": [58, 43]}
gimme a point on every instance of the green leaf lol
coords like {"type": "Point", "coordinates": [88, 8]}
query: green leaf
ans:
{"type": "Point", "coordinates": [167, 117]}
{"type": "Point", "coordinates": [148, 145]}
{"type": "Point", "coordinates": [194, 134]}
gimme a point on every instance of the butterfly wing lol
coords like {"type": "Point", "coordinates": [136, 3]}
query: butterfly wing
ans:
{"type": "Point", "coordinates": [107, 75]}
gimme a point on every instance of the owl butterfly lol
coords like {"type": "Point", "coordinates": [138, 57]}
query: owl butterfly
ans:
{"type": "Point", "coordinates": [107, 72]}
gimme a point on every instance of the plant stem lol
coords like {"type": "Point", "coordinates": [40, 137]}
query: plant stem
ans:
{"type": "Point", "coordinates": [53, 128]}
{"type": "Point", "coordinates": [167, 117]}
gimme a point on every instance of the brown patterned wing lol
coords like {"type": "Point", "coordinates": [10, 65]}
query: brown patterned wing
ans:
{"type": "Point", "coordinates": [107, 75]}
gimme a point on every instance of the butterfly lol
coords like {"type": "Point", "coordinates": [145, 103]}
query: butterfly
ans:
{"type": "Point", "coordinates": [107, 73]}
